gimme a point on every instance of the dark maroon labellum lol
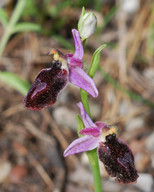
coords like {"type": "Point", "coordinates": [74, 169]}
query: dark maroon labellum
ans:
{"type": "Point", "coordinates": [47, 85]}
{"type": "Point", "coordinates": [118, 159]}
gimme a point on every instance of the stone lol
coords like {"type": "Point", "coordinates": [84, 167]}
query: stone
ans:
{"type": "Point", "coordinates": [135, 124]}
{"type": "Point", "coordinates": [149, 143]}
{"type": "Point", "coordinates": [5, 168]}
{"type": "Point", "coordinates": [81, 175]}
{"type": "Point", "coordinates": [142, 160]}
{"type": "Point", "coordinates": [131, 6]}
{"type": "Point", "coordinates": [144, 182]}
{"type": "Point", "coordinates": [96, 109]}
{"type": "Point", "coordinates": [65, 117]}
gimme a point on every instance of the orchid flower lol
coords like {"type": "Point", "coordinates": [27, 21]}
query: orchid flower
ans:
{"type": "Point", "coordinates": [113, 152]}
{"type": "Point", "coordinates": [49, 82]}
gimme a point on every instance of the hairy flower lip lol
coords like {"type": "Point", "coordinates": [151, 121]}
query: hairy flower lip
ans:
{"type": "Point", "coordinates": [118, 159]}
{"type": "Point", "coordinates": [121, 183]}
{"type": "Point", "coordinates": [44, 90]}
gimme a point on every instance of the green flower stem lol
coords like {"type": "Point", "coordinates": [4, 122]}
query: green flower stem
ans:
{"type": "Point", "coordinates": [10, 26]}
{"type": "Point", "coordinates": [92, 155]}
{"type": "Point", "coordinates": [84, 98]}
{"type": "Point", "coordinates": [93, 159]}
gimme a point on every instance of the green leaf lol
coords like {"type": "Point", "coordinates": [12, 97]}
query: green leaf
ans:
{"type": "Point", "coordinates": [15, 82]}
{"type": "Point", "coordinates": [3, 17]}
{"type": "Point", "coordinates": [95, 61]}
{"type": "Point", "coordinates": [79, 124]}
{"type": "Point", "coordinates": [26, 27]}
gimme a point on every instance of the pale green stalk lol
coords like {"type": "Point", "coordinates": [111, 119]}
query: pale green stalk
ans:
{"type": "Point", "coordinates": [92, 155]}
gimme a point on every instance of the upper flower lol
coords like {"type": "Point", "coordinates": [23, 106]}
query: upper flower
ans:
{"type": "Point", "coordinates": [49, 82]}
{"type": "Point", "coordinates": [113, 152]}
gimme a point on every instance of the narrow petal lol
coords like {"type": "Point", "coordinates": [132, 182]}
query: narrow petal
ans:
{"type": "Point", "coordinates": [94, 131]}
{"type": "Point", "coordinates": [85, 117]}
{"type": "Point", "coordinates": [78, 45]}
{"type": "Point", "coordinates": [85, 143]}
{"type": "Point", "coordinates": [80, 78]}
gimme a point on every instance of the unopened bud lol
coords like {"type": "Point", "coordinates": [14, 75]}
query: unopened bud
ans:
{"type": "Point", "coordinates": [87, 24]}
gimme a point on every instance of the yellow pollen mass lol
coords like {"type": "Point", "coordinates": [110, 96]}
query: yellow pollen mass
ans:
{"type": "Point", "coordinates": [112, 129]}
{"type": "Point", "coordinates": [56, 55]}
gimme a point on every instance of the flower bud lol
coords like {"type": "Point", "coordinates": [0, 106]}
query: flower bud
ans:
{"type": "Point", "coordinates": [87, 24]}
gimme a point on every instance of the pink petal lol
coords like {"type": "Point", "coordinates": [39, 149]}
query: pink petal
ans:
{"type": "Point", "coordinates": [78, 77]}
{"type": "Point", "coordinates": [94, 131]}
{"type": "Point", "coordinates": [85, 117]}
{"type": "Point", "coordinates": [85, 143]}
{"type": "Point", "coordinates": [78, 45]}
{"type": "Point", "coordinates": [74, 62]}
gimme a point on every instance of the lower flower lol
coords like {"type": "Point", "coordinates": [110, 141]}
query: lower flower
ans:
{"type": "Point", "coordinates": [115, 154]}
